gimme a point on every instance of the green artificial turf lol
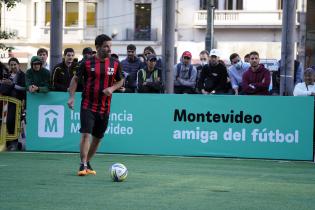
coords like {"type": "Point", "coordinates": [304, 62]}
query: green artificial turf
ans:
{"type": "Point", "coordinates": [48, 181]}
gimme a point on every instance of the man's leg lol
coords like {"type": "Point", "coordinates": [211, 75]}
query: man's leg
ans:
{"type": "Point", "coordinates": [84, 148]}
{"type": "Point", "coordinates": [92, 150]}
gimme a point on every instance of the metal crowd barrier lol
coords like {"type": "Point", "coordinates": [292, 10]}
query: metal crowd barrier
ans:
{"type": "Point", "coordinates": [4, 135]}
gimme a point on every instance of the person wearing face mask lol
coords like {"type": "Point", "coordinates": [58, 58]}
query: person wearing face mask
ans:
{"type": "Point", "coordinates": [213, 77]}
{"type": "Point", "coordinates": [204, 60]}
{"type": "Point", "coordinates": [236, 71]}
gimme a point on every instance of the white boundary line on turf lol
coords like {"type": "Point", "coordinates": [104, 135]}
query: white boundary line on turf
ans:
{"type": "Point", "coordinates": [172, 156]}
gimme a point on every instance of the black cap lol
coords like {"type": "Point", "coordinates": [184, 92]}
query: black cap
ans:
{"type": "Point", "coordinates": [87, 50]}
{"type": "Point", "coordinates": [151, 56]}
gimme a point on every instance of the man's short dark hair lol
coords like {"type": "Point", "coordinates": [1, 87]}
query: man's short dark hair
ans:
{"type": "Point", "coordinates": [204, 52]}
{"type": "Point", "coordinates": [254, 53]}
{"type": "Point", "coordinates": [233, 55]}
{"type": "Point", "coordinates": [131, 47]}
{"type": "Point", "coordinates": [42, 50]}
{"type": "Point", "coordinates": [247, 56]}
{"type": "Point", "coordinates": [67, 50]}
{"type": "Point", "coordinates": [150, 49]}
{"type": "Point", "coordinates": [14, 60]}
{"type": "Point", "coordinates": [102, 38]}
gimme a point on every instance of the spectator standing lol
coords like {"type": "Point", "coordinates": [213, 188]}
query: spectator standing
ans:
{"type": "Point", "coordinates": [149, 78]}
{"type": "Point", "coordinates": [148, 51]}
{"type": "Point", "coordinates": [185, 75]}
{"type": "Point", "coordinates": [43, 54]}
{"type": "Point", "coordinates": [64, 71]}
{"type": "Point", "coordinates": [131, 66]}
{"type": "Point", "coordinates": [18, 91]}
{"type": "Point", "coordinates": [37, 78]}
{"type": "Point", "coordinates": [87, 53]}
{"type": "Point", "coordinates": [256, 80]}
{"type": "Point", "coordinates": [236, 71]}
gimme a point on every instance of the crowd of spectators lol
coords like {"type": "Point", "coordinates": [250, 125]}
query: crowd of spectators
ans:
{"type": "Point", "coordinates": [144, 74]}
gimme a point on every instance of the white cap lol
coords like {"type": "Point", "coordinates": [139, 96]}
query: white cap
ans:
{"type": "Point", "coordinates": [215, 52]}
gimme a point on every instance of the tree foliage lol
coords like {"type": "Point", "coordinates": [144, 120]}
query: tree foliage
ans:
{"type": "Point", "coordinates": [9, 4]}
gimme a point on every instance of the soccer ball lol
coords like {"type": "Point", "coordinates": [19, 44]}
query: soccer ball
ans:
{"type": "Point", "coordinates": [118, 172]}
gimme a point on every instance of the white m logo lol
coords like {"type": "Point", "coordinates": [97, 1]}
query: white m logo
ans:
{"type": "Point", "coordinates": [51, 121]}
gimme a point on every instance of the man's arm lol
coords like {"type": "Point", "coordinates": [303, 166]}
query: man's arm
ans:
{"type": "Point", "coordinates": [72, 89]}
{"type": "Point", "coordinates": [108, 91]}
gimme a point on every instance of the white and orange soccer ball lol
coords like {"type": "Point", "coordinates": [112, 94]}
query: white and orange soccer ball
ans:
{"type": "Point", "coordinates": [118, 172]}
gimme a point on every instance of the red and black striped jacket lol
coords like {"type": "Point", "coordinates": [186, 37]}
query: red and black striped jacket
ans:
{"type": "Point", "coordinates": [98, 75]}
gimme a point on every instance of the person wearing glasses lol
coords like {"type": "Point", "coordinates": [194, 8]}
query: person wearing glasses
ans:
{"type": "Point", "coordinates": [236, 71]}
{"type": "Point", "coordinates": [185, 75]}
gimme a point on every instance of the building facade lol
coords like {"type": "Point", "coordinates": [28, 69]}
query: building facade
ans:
{"type": "Point", "coordinates": [239, 26]}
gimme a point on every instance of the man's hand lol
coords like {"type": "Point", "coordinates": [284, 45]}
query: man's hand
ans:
{"type": "Point", "coordinates": [108, 91]}
{"type": "Point", "coordinates": [33, 88]}
{"type": "Point", "coordinates": [122, 89]}
{"type": "Point", "coordinates": [252, 86]}
{"type": "Point", "coordinates": [71, 103]}
{"type": "Point", "coordinates": [7, 82]}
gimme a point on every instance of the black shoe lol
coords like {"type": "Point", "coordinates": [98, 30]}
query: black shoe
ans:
{"type": "Point", "coordinates": [82, 170]}
{"type": "Point", "coordinates": [89, 169]}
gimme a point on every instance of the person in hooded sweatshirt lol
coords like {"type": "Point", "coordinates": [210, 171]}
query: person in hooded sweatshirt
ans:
{"type": "Point", "coordinates": [256, 79]}
{"type": "Point", "coordinates": [37, 78]}
{"type": "Point", "coordinates": [185, 75]}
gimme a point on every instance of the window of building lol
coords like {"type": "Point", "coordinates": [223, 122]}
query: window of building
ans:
{"type": "Point", "coordinates": [280, 4]}
{"type": "Point", "coordinates": [142, 21]}
{"type": "Point", "coordinates": [234, 5]}
{"type": "Point", "coordinates": [47, 14]}
{"type": "Point", "coordinates": [91, 14]}
{"type": "Point", "coordinates": [35, 13]}
{"type": "Point", "coordinates": [72, 14]}
{"type": "Point", "coordinates": [204, 4]}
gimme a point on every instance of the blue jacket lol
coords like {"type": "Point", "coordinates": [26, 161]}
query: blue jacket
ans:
{"type": "Point", "coordinates": [130, 70]}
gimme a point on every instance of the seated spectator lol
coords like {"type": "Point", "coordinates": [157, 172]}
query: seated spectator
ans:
{"type": "Point", "coordinates": [37, 78]}
{"type": "Point", "coordinates": [297, 77]}
{"type": "Point", "coordinates": [213, 77]}
{"type": "Point", "coordinates": [149, 78]}
{"type": "Point", "coordinates": [306, 88]}
{"type": "Point", "coordinates": [203, 60]}
{"type": "Point", "coordinates": [185, 75]}
{"type": "Point", "coordinates": [64, 71]}
{"type": "Point", "coordinates": [236, 71]}
{"type": "Point", "coordinates": [246, 58]}
{"type": "Point", "coordinates": [256, 79]}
